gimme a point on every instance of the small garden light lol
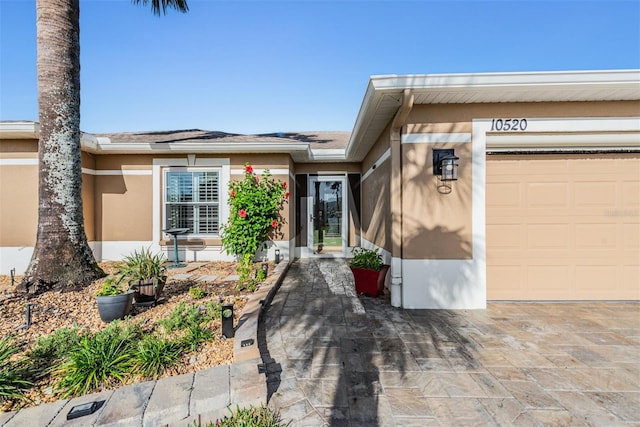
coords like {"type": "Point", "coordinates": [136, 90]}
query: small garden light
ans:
{"type": "Point", "coordinates": [227, 321]}
{"type": "Point", "coordinates": [277, 256]}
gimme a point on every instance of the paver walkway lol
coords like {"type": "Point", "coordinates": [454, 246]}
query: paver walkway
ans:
{"type": "Point", "coordinates": [341, 360]}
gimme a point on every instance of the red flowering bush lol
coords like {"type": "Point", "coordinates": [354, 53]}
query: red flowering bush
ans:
{"type": "Point", "coordinates": [255, 214]}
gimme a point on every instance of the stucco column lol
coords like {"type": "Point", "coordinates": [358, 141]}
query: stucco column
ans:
{"type": "Point", "coordinates": [396, 194]}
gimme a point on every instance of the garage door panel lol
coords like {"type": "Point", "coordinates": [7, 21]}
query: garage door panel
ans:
{"type": "Point", "coordinates": [506, 194]}
{"type": "Point", "coordinates": [548, 236]}
{"type": "Point", "coordinates": [631, 233]}
{"type": "Point", "coordinates": [548, 281]}
{"type": "Point", "coordinates": [504, 236]}
{"type": "Point", "coordinates": [631, 194]}
{"type": "Point", "coordinates": [595, 193]}
{"type": "Point", "coordinates": [631, 274]}
{"type": "Point", "coordinates": [547, 194]}
{"type": "Point", "coordinates": [572, 232]}
{"type": "Point", "coordinates": [507, 288]}
{"type": "Point", "coordinates": [596, 236]}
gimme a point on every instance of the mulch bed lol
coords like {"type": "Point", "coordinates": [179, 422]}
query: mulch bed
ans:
{"type": "Point", "coordinates": [53, 310]}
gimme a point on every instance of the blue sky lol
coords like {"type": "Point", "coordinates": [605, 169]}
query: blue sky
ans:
{"type": "Point", "coordinates": [268, 66]}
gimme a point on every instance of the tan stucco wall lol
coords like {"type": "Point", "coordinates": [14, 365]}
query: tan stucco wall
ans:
{"type": "Point", "coordinates": [382, 144]}
{"type": "Point", "coordinates": [18, 148]}
{"type": "Point", "coordinates": [457, 117]}
{"type": "Point", "coordinates": [18, 205]}
{"type": "Point", "coordinates": [435, 225]}
{"type": "Point", "coordinates": [123, 207]}
{"type": "Point", "coordinates": [376, 196]}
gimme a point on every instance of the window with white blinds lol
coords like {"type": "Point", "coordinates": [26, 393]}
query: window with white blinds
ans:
{"type": "Point", "coordinates": [192, 200]}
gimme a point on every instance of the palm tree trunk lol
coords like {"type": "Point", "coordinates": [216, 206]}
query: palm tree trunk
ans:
{"type": "Point", "coordinates": [62, 257]}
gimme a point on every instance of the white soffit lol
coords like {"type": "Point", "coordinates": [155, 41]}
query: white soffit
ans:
{"type": "Point", "coordinates": [384, 94]}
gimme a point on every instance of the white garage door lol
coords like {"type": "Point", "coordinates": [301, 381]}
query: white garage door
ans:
{"type": "Point", "coordinates": [563, 227]}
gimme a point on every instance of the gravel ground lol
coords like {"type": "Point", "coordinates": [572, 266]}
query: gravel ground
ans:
{"type": "Point", "coordinates": [53, 310]}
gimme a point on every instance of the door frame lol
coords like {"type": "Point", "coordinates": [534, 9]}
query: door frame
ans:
{"type": "Point", "coordinates": [309, 249]}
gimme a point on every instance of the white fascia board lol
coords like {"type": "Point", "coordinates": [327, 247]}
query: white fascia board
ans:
{"type": "Point", "coordinates": [360, 123]}
{"type": "Point", "coordinates": [325, 155]}
{"type": "Point", "coordinates": [19, 129]}
{"type": "Point", "coordinates": [148, 148]}
{"type": "Point", "coordinates": [570, 78]}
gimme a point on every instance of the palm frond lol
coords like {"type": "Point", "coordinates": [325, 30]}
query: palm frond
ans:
{"type": "Point", "coordinates": [158, 6]}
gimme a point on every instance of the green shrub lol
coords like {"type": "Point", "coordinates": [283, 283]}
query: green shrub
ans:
{"type": "Point", "coordinates": [144, 265]}
{"type": "Point", "coordinates": [197, 292]}
{"type": "Point", "coordinates": [366, 258]}
{"type": "Point", "coordinates": [50, 348]}
{"type": "Point", "coordinates": [153, 355]}
{"type": "Point", "coordinates": [181, 318]}
{"type": "Point", "coordinates": [102, 359]}
{"type": "Point", "coordinates": [194, 336]}
{"type": "Point", "coordinates": [13, 380]}
{"type": "Point", "coordinates": [261, 416]}
{"type": "Point", "coordinates": [214, 310]}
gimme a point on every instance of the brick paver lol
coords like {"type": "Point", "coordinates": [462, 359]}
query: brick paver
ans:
{"type": "Point", "coordinates": [342, 360]}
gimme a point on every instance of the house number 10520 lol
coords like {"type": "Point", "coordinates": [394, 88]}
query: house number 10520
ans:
{"type": "Point", "coordinates": [504, 125]}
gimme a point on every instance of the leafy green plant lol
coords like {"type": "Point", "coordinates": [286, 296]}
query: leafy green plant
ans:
{"type": "Point", "coordinates": [143, 266]}
{"type": "Point", "coordinates": [110, 287]}
{"type": "Point", "coordinates": [181, 318]}
{"type": "Point", "coordinates": [102, 359]}
{"type": "Point", "coordinates": [260, 416]}
{"type": "Point", "coordinates": [197, 292]}
{"type": "Point", "coordinates": [51, 348]}
{"type": "Point", "coordinates": [194, 336]}
{"type": "Point", "coordinates": [255, 205]}
{"type": "Point", "coordinates": [154, 354]}
{"type": "Point", "coordinates": [366, 258]}
{"type": "Point", "coordinates": [13, 380]}
{"type": "Point", "coordinates": [214, 310]}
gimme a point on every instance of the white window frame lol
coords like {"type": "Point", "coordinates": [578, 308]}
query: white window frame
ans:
{"type": "Point", "coordinates": [161, 165]}
{"type": "Point", "coordinates": [166, 203]}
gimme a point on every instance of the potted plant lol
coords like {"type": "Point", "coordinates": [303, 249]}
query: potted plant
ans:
{"type": "Point", "coordinates": [369, 271]}
{"type": "Point", "coordinates": [146, 274]}
{"type": "Point", "coordinates": [114, 302]}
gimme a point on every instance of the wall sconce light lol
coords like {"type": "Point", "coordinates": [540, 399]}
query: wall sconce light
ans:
{"type": "Point", "coordinates": [445, 166]}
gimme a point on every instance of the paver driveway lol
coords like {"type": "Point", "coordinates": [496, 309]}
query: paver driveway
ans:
{"type": "Point", "coordinates": [342, 360]}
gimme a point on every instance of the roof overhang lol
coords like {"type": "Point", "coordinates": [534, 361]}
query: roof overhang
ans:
{"type": "Point", "coordinates": [383, 96]}
{"type": "Point", "coordinates": [19, 130]}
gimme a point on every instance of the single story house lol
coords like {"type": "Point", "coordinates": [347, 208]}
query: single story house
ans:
{"type": "Point", "coordinates": [545, 204]}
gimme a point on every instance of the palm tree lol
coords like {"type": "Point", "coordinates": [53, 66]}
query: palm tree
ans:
{"type": "Point", "coordinates": [62, 257]}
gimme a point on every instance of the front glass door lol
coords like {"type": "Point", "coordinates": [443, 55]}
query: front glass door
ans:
{"type": "Point", "coordinates": [327, 216]}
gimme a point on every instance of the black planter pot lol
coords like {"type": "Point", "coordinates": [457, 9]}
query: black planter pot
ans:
{"type": "Point", "coordinates": [114, 307]}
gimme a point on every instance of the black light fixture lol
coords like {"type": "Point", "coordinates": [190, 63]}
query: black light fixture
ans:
{"type": "Point", "coordinates": [445, 167]}
{"type": "Point", "coordinates": [227, 321]}
{"type": "Point", "coordinates": [277, 256]}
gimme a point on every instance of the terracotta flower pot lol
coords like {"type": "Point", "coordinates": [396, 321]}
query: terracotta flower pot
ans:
{"type": "Point", "coordinates": [369, 282]}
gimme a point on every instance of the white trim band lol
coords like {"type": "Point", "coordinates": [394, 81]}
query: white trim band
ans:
{"type": "Point", "coordinates": [117, 172]}
{"type": "Point", "coordinates": [19, 162]}
{"type": "Point", "coordinates": [431, 138]}
{"type": "Point", "coordinates": [261, 171]}
{"type": "Point", "coordinates": [385, 156]}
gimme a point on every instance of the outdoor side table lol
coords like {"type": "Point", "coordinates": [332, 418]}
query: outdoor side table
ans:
{"type": "Point", "coordinates": [174, 232]}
